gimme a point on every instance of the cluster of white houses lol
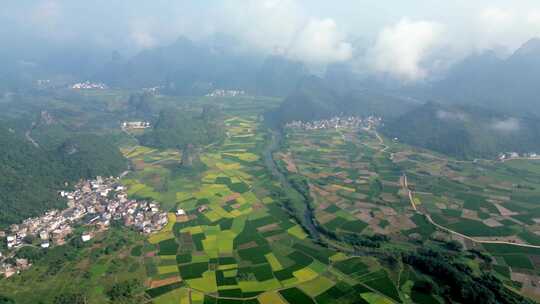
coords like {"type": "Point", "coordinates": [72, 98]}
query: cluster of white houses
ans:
{"type": "Point", "coordinates": [336, 122]}
{"type": "Point", "coordinates": [87, 85]}
{"type": "Point", "coordinates": [152, 90]}
{"type": "Point", "coordinates": [129, 125]}
{"type": "Point", "coordinates": [514, 155]}
{"type": "Point", "coordinates": [226, 93]}
{"type": "Point", "coordinates": [94, 204]}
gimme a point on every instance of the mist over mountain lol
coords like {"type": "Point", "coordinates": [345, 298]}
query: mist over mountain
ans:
{"type": "Point", "coordinates": [405, 57]}
{"type": "Point", "coordinates": [279, 76]}
{"type": "Point", "coordinates": [509, 84]}
{"type": "Point", "coordinates": [183, 67]}
{"type": "Point", "coordinates": [196, 68]}
{"type": "Point", "coordinates": [317, 98]}
{"type": "Point", "coordinates": [486, 104]}
{"type": "Point", "coordinates": [465, 131]}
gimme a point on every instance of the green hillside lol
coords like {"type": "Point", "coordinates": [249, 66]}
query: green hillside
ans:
{"type": "Point", "coordinates": [508, 84]}
{"type": "Point", "coordinates": [177, 129]}
{"type": "Point", "coordinates": [465, 132]}
{"type": "Point", "coordinates": [315, 98]}
{"type": "Point", "coordinates": [32, 176]}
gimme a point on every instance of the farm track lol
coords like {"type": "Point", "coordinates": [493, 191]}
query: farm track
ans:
{"type": "Point", "coordinates": [428, 217]}
{"type": "Point", "coordinates": [28, 136]}
{"type": "Point", "coordinates": [405, 185]}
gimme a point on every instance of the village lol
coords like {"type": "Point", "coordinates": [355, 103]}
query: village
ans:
{"type": "Point", "coordinates": [87, 85]}
{"type": "Point", "coordinates": [135, 125]}
{"type": "Point", "coordinates": [514, 155]}
{"type": "Point", "coordinates": [337, 123]}
{"type": "Point", "coordinates": [372, 122]}
{"type": "Point", "coordinates": [152, 90]}
{"type": "Point", "coordinates": [226, 93]}
{"type": "Point", "coordinates": [93, 204]}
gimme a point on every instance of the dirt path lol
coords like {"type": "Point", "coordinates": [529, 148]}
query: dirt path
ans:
{"type": "Point", "coordinates": [430, 220]}
{"type": "Point", "coordinates": [381, 142]}
{"type": "Point", "coordinates": [409, 192]}
{"type": "Point", "coordinates": [28, 136]}
{"type": "Point", "coordinates": [475, 240]}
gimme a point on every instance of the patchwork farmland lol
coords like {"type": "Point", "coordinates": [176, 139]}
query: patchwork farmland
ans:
{"type": "Point", "coordinates": [359, 190]}
{"type": "Point", "coordinates": [232, 238]}
{"type": "Point", "coordinates": [235, 243]}
{"type": "Point", "coordinates": [298, 216]}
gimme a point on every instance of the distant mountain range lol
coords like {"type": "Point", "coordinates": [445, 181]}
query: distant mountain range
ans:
{"type": "Point", "coordinates": [189, 68]}
{"type": "Point", "coordinates": [465, 131]}
{"type": "Point", "coordinates": [485, 105]}
{"type": "Point", "coordinates": [510, 85]}
{"type": "Point", "coordinates": [316, 98]}
{"type": "Point", "coordinates": [186, 67]}
{"type": "Point", "coordinates": [183, 67]}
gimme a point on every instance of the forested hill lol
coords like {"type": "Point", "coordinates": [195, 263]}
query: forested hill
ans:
{"type": "Point", "coordinates": [32, 176]}
{"type": "Point", "coordinates": [177, 129]}
{"type": "Point", "coordinates": [187, 67]}
{"type": "Point", "coordinates": [465, 132]}
{"type": "Point", "coordinates": [509, 84]}
{"type": "Point", "coordinates": [88, 155]}
{"type": "Point", "coordinates": [28, 180]}
{"type": "Point", "coordinates": [316, 98]}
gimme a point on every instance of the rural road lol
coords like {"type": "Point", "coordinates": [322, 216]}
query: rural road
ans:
{"type": "Point", "coordinates": [30, 139]}
{"type": "Point", "coordinates": [430, 220]}
{"type": "Point", "coordinates": [475, 240]}
{"type": "Point", "coordinates": [409, 192]}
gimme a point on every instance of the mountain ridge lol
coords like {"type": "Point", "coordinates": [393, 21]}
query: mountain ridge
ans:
{"type": "Point", "coordinates": [506, 85]}
{"type": "Point", "coordinates": [465, 132]}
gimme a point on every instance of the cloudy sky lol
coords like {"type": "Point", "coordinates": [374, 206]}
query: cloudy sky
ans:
{"type": "Point", "coordinates": [407, 39]}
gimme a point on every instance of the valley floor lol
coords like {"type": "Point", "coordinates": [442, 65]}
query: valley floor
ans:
{"type": "Point", "coordinates": [364, 184]}
{"type": "Point", "coordinates": [303, 216]}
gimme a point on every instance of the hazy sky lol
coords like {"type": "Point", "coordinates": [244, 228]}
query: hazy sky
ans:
{"type": "Point", "coordinates": [407, 39]}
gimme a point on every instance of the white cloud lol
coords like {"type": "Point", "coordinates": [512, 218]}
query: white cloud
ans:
{"type": "Point", "coordinates": [263, 25]}
{"type": "Point", "coordinates": [533, 18]}
{"type": "Point", "coordinates": [45, 17]}
{"type": "Point", "coordinates": [143, 39]}
{"type": "Point", "coordinates": [496, 18]}
{"type": "Point", "coordinates": [320, 41]}
{"type": "Point", "coordinates": [283, 25]}
{"type": "Point", "coordinates": [309, 30]}
{"type": "Point", "coordinates": [145, 32]}
{"type": "Point", "coordinates": [46, 12]}
{"type": "Point", "coordinates": [505, 27]}
{"type": "Point", "coordinates": [447, 115]}
{"type": "Point", "coordinates": [508, 125]}
{"type": "Point", "coordinates": [494, 24]}
{"type": "Point", "coordinates": [400, 49]}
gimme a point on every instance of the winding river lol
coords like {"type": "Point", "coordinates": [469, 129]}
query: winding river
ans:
{"type": "Point", "coordinates": [308, 221]}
